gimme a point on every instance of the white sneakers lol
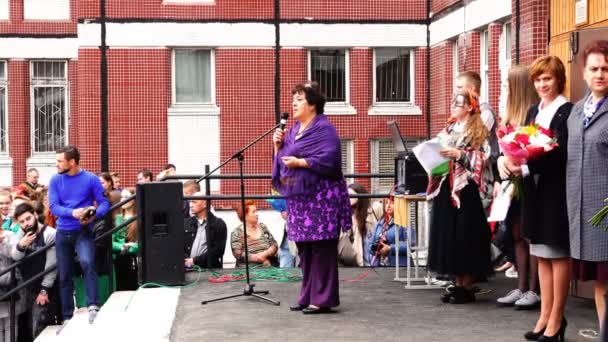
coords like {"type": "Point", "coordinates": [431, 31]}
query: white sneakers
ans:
{"type": "Point", "coordinates": [510, 299]}
{"type": "Point", "coordinates": [521, 301]}
{"type": "Point", "coordinates": [93, 310]}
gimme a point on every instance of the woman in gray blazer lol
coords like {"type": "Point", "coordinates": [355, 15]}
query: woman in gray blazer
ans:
{"type": "Point", "coordinates": [587, 174]}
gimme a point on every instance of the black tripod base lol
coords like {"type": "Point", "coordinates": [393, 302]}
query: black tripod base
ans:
{"type": "Point", "coordinates": [247, 291]}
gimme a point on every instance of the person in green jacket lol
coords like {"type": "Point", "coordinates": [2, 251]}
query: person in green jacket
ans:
{"type": "Point", "coordinates": [125, 246]}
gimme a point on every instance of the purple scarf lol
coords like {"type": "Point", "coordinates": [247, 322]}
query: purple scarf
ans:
{"type": "Point", "coordinates": [320, 146]}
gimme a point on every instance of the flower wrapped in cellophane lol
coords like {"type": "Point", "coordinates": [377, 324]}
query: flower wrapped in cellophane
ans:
{"type": "Point", "coordinates": [526, 142]}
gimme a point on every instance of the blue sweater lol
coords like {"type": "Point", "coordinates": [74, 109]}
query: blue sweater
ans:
{"type": "Point", "coordinates": [67, 193]}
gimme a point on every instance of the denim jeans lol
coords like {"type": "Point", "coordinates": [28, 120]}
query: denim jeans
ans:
{"type": "Point", "coordinates": [286, 259]}
{"type": "Point", "coordinates": [82, 242]}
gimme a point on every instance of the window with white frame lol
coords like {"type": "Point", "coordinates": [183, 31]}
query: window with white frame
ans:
{"type": "Point", "coordinates": [3, 116]}
{"type": "Point", "coordinates": [46, 9]}
{"type": "Point", "coordinates": [347, 157]}
{"type": "Point", "coordinates": [328, 68]}
{"type": "Point", "coordinates": [392, 75]}
{"type": "Point", "coordinates": [49, 91]}
{"type": "Point", "coordinates": [507, 41]}
{"type": "Point", "coordinates": [193, 80]}
{"type": "Point", "coordinates": [455, 64]}
{"type": "Point", "coordinates": [483, 63]}
{"type": "Point", "coordinates": [383, 161]}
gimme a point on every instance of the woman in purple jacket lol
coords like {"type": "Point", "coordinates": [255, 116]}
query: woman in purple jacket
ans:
{"type": "Point", "coordinates": [307, 171]}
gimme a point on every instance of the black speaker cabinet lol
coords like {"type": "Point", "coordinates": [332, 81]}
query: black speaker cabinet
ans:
{"type": "Point", "coordinates": [410, 177]}
{"type": "Point", "coordinates": [160, 230]}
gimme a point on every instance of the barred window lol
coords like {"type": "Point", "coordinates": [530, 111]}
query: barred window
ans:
{"type": "Point", "coordinates": [392, 77]}
{"type": "Point", "coordinates": [328, 68]}
{"type": "Point", "coordinates": [383, 155]}
{"type": "Point", "coordinates": [49, 105]}
{"type": "Point", "coordinates": [3, 116]}
{"type": "Point", "coordinates": [192, 76]}
{"type": "Point", "coordinates": [347, 157]}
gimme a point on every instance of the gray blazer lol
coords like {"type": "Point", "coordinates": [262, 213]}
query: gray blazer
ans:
{"type": "Point", "coordinates": [587, 182]}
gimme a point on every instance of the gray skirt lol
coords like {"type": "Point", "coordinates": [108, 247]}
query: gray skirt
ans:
{"type": "Point", "coordinates": [548, 251]}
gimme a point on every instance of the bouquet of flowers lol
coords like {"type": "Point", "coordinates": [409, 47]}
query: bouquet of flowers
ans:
{"type": "Point", "coordinates": [597, 219]}
{"type": "Point", "coordinates": [526, 142]}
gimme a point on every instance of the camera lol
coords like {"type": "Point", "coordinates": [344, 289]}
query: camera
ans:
{"type": "Point", "coordinates": [376, 245]}
{"type": "Point", "coordinates": [88, 213]}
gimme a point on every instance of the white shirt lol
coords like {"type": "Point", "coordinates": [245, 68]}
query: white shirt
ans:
{"type": "Point", "coordinates": [546, 113]}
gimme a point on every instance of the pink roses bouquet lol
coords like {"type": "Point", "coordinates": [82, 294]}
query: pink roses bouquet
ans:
{"type": "Point", "coordinates": [526, 142]}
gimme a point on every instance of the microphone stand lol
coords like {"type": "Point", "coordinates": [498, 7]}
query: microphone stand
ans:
{"type": "Point", "coordinates": [249, 287]}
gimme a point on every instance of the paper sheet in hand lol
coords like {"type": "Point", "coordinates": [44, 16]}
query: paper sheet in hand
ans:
{"type": "Point", "coordinates": [501, 204]}
{"type": "Point", "coordinates": [428, 155]}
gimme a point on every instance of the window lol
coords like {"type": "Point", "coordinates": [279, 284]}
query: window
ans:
{"type": "Point", "coordinates": [3, 116]}
{"type": "Point", "coordinates": [46, 9]}
{"type": "Point", "coordinates": [49, 105]}
{"type": "Point", "coordinates": [455, 66]}
{"type": "Point", "coordinates": [383, 161]}
{"type": "Point", "coordinates": [484, 67]}
{"type": "Point", "coordinates": [392, 75]}
{"type": "Point", "coordinates": [193, 79]}
{"type": "Point", "coordinates": [347, 157]}
{"type": "Point", "coordinates": [507, 37]}
{"type": "Point", "coordinates": [328, 67]}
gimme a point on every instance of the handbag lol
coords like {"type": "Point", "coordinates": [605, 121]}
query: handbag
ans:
{"type": "Point", "coordinates": [347, 255]}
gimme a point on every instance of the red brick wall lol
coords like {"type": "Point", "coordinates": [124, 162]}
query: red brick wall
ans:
{"type": "Point", "coordinates": [442, 80]}
{"type": "Point", "coordinates": [494, 32]}
{"type": "Point", "coordinates": [224, 9]}
{"type": "Point", "coordinates": [19, 117]}
{"type": "Point", "coordinates": [17, 25]}
{"type": "Point", "coordinates": [468, 51]}
{"type": "Point", "coordinates": [354, 9]}
{"type": "Point", "coordinates": [533, 35]}
{"type": "Point", "coordinates": [85, 124]}
{"type": "Point", "coordinates": [439, 5]}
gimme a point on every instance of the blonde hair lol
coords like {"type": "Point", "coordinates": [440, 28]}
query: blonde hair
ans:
{"type": "Point", "coordinates": [522, 95]}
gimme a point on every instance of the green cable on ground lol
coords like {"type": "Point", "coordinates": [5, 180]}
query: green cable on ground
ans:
{"type": "Point", "coordinates": [261, 273]}
{"type": "Point", "coordinates": [191, 284]}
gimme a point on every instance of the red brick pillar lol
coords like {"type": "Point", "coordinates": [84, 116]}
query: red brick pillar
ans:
{"type": "Point", "coordinates": [442, 76]}
{"type": "Point", "coordinates": [494, 32]}
{"type": "Point", "coordinates": [19, 132]}
{"type": "Point", "coordinates": [468, 51]}
{"type": "Point", "coordinates": [533, 31]}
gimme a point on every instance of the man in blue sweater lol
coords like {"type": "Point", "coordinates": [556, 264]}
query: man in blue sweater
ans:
{"type": "Point", "coordinates": [72, 191]}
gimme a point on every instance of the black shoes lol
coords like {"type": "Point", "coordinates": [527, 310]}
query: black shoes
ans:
{"type": "Point", "coordinates": [313, 311]}
{"type": "Point", "coordinates": [297, 307]}
{"type": "Point", "coordinates": [458, 295]}
{"type": "Point", "coordinates": [533, 336]}
{"type": "Point", "coordinates": [559, 337]}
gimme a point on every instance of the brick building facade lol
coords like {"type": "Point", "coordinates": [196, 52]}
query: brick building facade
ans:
{"type": "Point", "coordinates": [192, 81]}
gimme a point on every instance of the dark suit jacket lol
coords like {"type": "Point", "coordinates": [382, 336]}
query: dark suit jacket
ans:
{"type": "Point", "coordinates": [543, 202]}
{"type": "Point", "coordinates": [216, 241]}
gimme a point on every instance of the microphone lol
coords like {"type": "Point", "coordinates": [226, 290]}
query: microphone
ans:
{"type": "Point", "coordinates": [283, 122]}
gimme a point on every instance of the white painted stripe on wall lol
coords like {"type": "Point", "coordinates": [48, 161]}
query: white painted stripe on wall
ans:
{"type": "Point", "coordinates": [478, 14]}
{"type": "Point", "coordinates": [29, 48]}
{"type": "Point", "coordinates": [4, 11]}
{"type": "Point", "coordinates": [353, 35]}
{"type": "Point", "coordinates": [179, 34]}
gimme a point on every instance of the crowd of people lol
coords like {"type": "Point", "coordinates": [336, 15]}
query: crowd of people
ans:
{"type": "Point", "coordinates": [546, 235]}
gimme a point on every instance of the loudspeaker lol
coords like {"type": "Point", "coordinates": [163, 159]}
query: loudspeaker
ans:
{"type": "Point", "coordinates": [160, 231]}
{"type": "Point", "coordinates": [410, 176]}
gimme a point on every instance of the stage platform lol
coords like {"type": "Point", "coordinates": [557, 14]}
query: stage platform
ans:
{"type": "Point", "coordinates": [375, 308]}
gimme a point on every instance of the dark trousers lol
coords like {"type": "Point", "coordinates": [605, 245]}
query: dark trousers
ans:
{"type": "Point", "coordinates": [82, 242]}
{"type": "Point", "coordinates": [319, 264]}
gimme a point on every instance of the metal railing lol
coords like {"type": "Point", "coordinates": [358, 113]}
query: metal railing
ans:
{"type": "Point", "coordinates": [208, 196]}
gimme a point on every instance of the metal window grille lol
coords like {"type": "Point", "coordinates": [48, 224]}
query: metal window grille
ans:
{"type": "Point", "coordinates": [392, 67]}
{"type": "Point", "coordinates": [192, 76]}
{"type": "Point", "coordinates": [3, 118]}
{"type": "Point", "coordinates": [383, 161]}
{"type": "Point", "coordinates": [49, 105]}
{"type": "Point", "coordinates": [347, 156]}
{"type": "Point", "coordinates": [328, 68]}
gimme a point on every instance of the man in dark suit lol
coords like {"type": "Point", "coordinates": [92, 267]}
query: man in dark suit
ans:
{"type": "Point", "coordinates": [205, 236]}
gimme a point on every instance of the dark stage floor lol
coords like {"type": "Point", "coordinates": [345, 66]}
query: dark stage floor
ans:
{"type": "Point", "coordinates": [375, 308]}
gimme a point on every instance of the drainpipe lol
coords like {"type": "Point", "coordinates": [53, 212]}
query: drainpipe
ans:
{"type": "Point", "coordinates": [103, 74]}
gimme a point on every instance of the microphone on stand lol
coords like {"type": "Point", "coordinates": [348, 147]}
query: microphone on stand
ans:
{"type": "Point", "coordinates": [283, 122]}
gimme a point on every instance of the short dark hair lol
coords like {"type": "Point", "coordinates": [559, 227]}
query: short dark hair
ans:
{"type": "Point", "coordinates": [146, 173]}
{"type": "Point", "coordinates": [108, 178]}
{"type": "Point", "coordinates": [23, 208]}
{"type": "Point", "coordinates": [598, 46]}
{"type": "Point", "coordinates": [169, 166]}
{"type": "Point", "coordinates": [70, 152]}
{"type": "Point", "coordinates": [313, 95]}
